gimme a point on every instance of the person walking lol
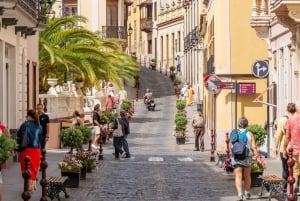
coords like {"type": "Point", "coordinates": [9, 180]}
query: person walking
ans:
{"type": "Point", "coordinates": [34, 134]}
{"type": "Point", "coordinates": [97, 126]}
{"type": "Point", "coordinates": [126, 131]}
{"type": "Point", "coordinates": [190, 95]}
{"type": "Point", "coordinates": [242, 168]}
{"type": "Point", "coordinates": [279, 136]}
{"type": "Point", "coordinates": [109, 103]}
{"type": "Point", "coordinates": [291, 139]}
{"type": "Point", "coordinates": [198, 123]}
{"type": "Point", "coordinates": [122, 95]}
{"type": "Point", "coordinates": [44, 122]}
{"type": "Point", "coordinates": [118, 133]}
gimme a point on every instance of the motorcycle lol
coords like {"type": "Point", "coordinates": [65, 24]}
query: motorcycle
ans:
{"type": "Point", "coordinates": [150, 104]}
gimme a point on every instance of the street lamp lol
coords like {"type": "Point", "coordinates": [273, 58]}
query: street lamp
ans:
{"type": "Point", "coordinates": [130, 30]}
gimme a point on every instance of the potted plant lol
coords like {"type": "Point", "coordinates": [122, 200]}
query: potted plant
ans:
{"type": "Point", "coordinates": [71, 167]}
{"type": "Point", "coordinates": [180, 127]}
{"type": "Point", "coordinates": [153, 64]}
{"type": "Point", "coordinates": [172, 74]}
{"type": "Point", "coordinates": [126, 106]}
{"type": "Point", "coordinates": [258, 165]}
{"type": "Point", "coordinates": [86, 133]}
{"type": "Point", "coordinates": [177, 83]}
{"type": "Point", "coordinates": [7, 145]}
{"type": "Point", "coordinates": [180, 105]}
{"type": "Point", "coordinates": [71, 137]}
{"type": "Point", "coordinates": [259, 134]}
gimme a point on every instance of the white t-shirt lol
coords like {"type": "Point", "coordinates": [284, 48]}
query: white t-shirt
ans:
{"type": "Point", "coordinates": [122, 94]}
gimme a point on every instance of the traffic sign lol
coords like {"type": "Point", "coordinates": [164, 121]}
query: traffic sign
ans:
{"type": "Point", "coordinates": [211, 83]}
{"type": "Point", "coordinates": [226, 85]}
{"type": "Point", "coordinates": [246, 87]}
{"type": "Point", "coordinates": [260, 69]}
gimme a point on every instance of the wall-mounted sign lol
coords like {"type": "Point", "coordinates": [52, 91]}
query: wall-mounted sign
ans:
{"type": "Point", "coordinates": [211, 83]}
{"type": "Point", "coordinates": [226, 85]}
{"type": "Point", "coordinates": [260, 69]}
{"type": "Point", "coordinates": [246, 87]}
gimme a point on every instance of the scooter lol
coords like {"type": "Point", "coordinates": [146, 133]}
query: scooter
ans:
{"type": "Point", "coordinates": [151, 105]}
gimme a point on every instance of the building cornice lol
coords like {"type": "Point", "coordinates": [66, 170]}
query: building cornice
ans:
{"type": "Point", "coordinates": [171, 21]}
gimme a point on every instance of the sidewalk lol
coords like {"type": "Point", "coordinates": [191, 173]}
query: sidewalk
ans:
{"type": "Point", "coordinates": [273, 164]}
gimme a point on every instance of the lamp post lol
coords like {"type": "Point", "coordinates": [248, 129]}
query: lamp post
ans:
{"type": "Point", "coordinates": [130, 30]}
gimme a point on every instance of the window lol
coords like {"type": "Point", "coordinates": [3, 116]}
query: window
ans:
{"type": "Point", "coordinates": [155, 11]}
{"type": "Point", "coordinates": [149, 46]}
{"type": "Point", "coordinates": [112, 13]}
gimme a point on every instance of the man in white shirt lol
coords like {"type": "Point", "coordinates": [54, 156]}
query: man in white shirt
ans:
{"type": "Point", "coordinates": [122, 95]}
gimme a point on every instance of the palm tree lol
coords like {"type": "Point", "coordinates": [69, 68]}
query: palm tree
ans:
{"type": "Point", "coordinates": [65, 47]}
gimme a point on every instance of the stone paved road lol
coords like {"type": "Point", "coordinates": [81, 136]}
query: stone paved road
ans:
{"type": "Point", "coordinates": [159, 170]}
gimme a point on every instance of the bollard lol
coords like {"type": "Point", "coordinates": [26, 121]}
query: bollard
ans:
{"type": "Point", "coordinates": [100, 156]}
{"type": "Point", "coordinates": [291, 179]}
{"type": "Point", "coordinates": [227, 146]}
{"type": "Point", "coordinates": [26, 195]}
{"type": "Point", "coordinates": [43, 181]}
{"type": "Point", "coordinates": [137, 94]}
{"type": "Point", "coordinates": [227, 166]}
{"type": "Point", "coordinates": [90, 145]}
{"type": "Point", "coordinates": [212, 157]}
{"type": "Point", "coordinates": [132, 105]}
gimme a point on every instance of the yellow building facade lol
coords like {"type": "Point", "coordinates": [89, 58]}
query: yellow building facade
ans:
{"type": "Point", "coordinates": [231, 49]}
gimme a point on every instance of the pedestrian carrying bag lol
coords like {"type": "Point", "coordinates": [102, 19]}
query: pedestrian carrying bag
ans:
{"type": "Point", "coordinates": [239, 139]}
{"type": "Point", "coordinates": [22, 140]}
{"type": "Point", "coordinates": [118, 132]}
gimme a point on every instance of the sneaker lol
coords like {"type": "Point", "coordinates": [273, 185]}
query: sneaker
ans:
{"type": "Point", "coordinates": [248, 196]}
{"type": "Point", "coordinates": [123, 155]}
{"type": "Point", "coordinates": [240, 198]}
{"type": "Point", "coordinates": [94, 146]}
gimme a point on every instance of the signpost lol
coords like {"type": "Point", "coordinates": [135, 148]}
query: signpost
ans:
{"type": "Point", "coordinates": [246, 87]}
{"type": "Point", "coordinates": [260, 69]}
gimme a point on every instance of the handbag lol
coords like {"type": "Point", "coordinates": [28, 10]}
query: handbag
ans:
{"type": "Point", "coordinates": [22, 140]}
{"type": "Point", "coordinates": [118, 132]}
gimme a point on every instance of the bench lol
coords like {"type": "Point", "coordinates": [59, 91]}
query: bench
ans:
{"type": "Point", "coordinates": [273, 184]}
{"type": "Point", "coordinates": [55, 185]}
{"type": "Point", "coordinates": [221, 158]}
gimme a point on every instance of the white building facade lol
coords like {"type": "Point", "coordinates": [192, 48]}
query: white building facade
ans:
{"type": "Point", "coordinates": [18, 60]}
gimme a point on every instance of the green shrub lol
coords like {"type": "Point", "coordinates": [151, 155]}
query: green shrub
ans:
{"type": "Point", "coordinates": [177, 81]}
{"type": "Point", "coordinates": [180, 104]}
{"type": "Point", "coordinates": [180, 121]}
{"type": "Point", "coordinates": [6, 146]}
{"type": "Point", "coordinates": [71, 137]}
{"type": "Point", "coordinates": [172, 68]}
{"type": "Point", "coordinates": [259, 133]}
{"type": "Point", "coordinates": [86, 133]}
{"type": "Point", "coordinates": [125, 105]}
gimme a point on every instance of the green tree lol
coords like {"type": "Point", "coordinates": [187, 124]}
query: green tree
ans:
{"type": "Point", "coordinates": [66, 47]}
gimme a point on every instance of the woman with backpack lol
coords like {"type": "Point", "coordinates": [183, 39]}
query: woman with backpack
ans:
{"type": "Point", "coordinates": [242, 159]}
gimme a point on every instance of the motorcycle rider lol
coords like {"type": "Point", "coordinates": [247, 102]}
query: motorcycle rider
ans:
{"type": "Point", "coordinates": [147, 96]}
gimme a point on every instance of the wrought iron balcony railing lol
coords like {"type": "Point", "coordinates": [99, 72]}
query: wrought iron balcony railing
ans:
{"type": "Point", "coordinates": [146, 24]}
{"type": "Point", "coordinates": [114, 32]}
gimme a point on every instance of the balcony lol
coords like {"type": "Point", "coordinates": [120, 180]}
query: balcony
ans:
{"type": "Point", "coordinates": [114, 32]}
{"type": "Point", "coordinates": [25, 11]}
{"type": "Point", "coordinates": [287, 12]}
{"type": "Point", "coordinates": [146, 24]}
{"type": "Point", "coordinates": [260, 18]}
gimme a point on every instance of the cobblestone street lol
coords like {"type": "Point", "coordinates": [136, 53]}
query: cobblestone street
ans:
{"type": "Point", "coordinates": [159, 169]}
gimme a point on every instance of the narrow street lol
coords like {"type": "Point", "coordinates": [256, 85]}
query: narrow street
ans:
{"type": "Point", "coordinates": [159, 169]}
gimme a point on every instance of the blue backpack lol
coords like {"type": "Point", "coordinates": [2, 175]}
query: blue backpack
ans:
{"type": "Point", "coordinates": [239, 148]}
